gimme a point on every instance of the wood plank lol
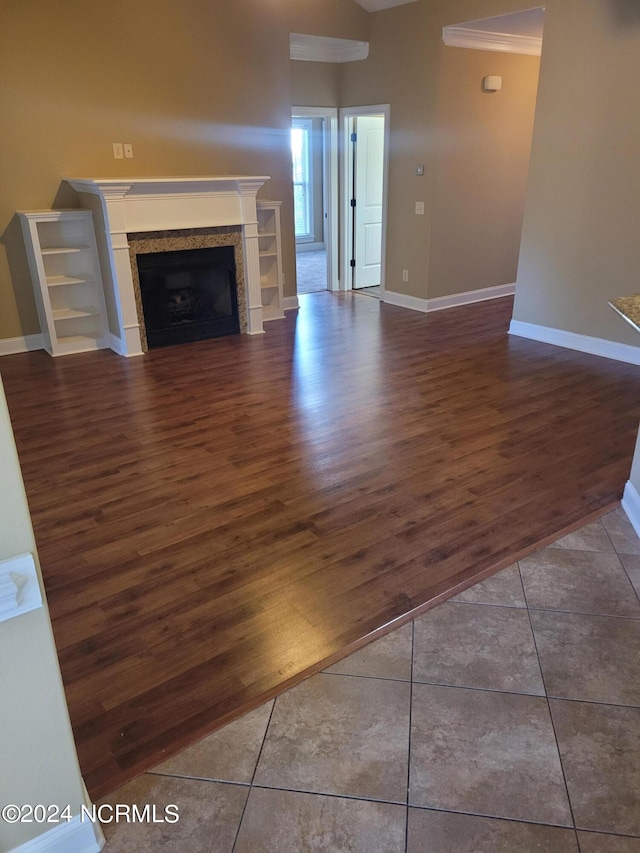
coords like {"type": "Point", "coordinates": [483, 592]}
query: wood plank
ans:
{"type": "Point", "coordinates": [218, 520]}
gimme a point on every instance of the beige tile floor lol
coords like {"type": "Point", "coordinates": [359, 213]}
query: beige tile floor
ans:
{"type": "Point", "coordinates": [506, 719]}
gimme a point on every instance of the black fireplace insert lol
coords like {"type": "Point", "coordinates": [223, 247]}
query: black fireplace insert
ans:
{"type": "Point", "coordinates": [188, 295]}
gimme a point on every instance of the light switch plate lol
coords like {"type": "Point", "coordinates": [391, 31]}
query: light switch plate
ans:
{"type": "Point", "coordinates": [420, 208]}
{"type": "Point", "coordinates": [19, 587]}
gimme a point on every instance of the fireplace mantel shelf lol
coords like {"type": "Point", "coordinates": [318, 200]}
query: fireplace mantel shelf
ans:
{"type": "Point", "coordinates": [142, 204]}
{"type": "Point", "coordinates": [173, 185]}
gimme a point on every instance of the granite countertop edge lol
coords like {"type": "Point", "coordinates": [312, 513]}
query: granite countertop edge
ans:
{"type": "Point", "coordinates": [629, 309]}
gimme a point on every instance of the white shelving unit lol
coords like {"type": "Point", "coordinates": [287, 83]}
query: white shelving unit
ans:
{"type": "Point", "coordinates": [63, 259]}
{"type": "Point", "coordinates": [270, 252]}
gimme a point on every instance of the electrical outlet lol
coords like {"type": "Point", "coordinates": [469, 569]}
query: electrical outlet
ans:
{"type": "Point", "coordinates": [128, 150]}
{"type": "Point", "coordinates": [420, 208]}
{"type": "Point", "coordinates": [118, 153]}
{"type": "Point", "coordinates": [405, 275]}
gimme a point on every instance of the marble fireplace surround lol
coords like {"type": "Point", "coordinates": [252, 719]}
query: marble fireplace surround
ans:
{"type": "Point", "coordinates": [124, 206]}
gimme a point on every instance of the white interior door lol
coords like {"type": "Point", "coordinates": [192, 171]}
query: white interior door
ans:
{"type": "Point", "coordinates": [368, 186]}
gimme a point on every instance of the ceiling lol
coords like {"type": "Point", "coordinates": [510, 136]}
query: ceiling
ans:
{"type": "Point", "coordinates": [529, 24]}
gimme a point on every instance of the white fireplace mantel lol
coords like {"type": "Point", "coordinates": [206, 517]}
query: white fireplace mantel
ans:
{"type": "Point", "coordinates": [170, 204]}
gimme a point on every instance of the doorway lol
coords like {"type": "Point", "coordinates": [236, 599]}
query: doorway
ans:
{"type": "Point", "coordinates": [365, 146]}
{"type": "Point", "coordinates": [314, 145]}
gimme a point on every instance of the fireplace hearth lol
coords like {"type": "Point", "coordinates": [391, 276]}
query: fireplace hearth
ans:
{"type": "Point", "coordinates": [188, 295]}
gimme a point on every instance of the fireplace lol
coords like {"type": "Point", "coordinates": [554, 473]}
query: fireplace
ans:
{"type": "Point", "coordinates": [172, 206]}
{"type": "Point", "coordinates": [188, 295]}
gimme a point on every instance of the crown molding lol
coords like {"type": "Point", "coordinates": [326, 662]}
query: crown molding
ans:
{"type": "Point", "coordinates": [379, 5]}
{"type": "Point", "coordinates": [322, 49]}
{"type": "Point", "coordinates": [454, 36]}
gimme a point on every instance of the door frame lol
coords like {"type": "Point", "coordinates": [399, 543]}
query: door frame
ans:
{"type": "Point", "coordinates": [330, 184]}
{"type": "Point", "coordinates": [347, 114]}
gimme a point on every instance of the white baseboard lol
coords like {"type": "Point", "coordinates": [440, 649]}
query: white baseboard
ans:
{"type": "Point", "coordinates": [440, 303]}
{"type": "Point", "coordinates": [402, 300]}
{"type": "Point", "coordinates": [28, 343]}
{"type": "Point", "coordinates": [631, 505]}
{"type": "Point", "coordinates": [290, 303]}
{"type": "Point", "coordinates": [76, 836]}
{"type": "Point", "coordinates": [571, 340]}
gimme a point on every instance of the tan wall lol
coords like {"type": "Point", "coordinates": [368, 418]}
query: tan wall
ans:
{"type": "Point", "coordinates": [480, 170]}
{"type": "Point", "coordinates": [314, 84]}
{"type": "Point", "coordinates": [39, 763]}
{"type": "Point", "coordinates": [198, 87]}
{"type": "Point", "coordinates": [581, 243]}
{"type": "Point", "coordinates": [203, 86]}
{"type": "Point", "coordinates": [474, 147]}
{"type": "Point", "coordinates": [401, 70]}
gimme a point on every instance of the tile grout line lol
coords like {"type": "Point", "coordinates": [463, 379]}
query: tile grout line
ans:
{"type": "Point", "coordinates": [308, 793]}
{"type": "Point", "coordinates": [609, 537]}
{"type": "Point", "coordinates": [628, 575]}
{"type": "Point", "coordinates": [406, 824]}
{"type": "Point", "coordinates": [553, 727]}
{"type": "Point", "coordinates": [370, 677]}
{"type": "Point", "coordinates": [483, 689]}
{"type": "Point", "coordinates": [253, 775]}
{"type": "Point", "coordinates": [546, 609]}
{"type": "Point", "coordinates": [619, 554]}
{"type": "Point", "coordinates": [197, 779]}
{"type": "Point", "coordinates": [439, 809]}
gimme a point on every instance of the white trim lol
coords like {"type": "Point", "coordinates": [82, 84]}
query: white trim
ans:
{"type": "Point", "coordinates": [571, 340]}
{"type": "Point", "coordinates": [330, 115]}
{"type": "Point", "coordinates": [631, 505]}
{"type": "Point", "coordinates": [346, 115]}
{"type": "Point", "coordinates": [118, 347]}
{"type": "Point", "coordinates": [403, 300]}
{"type": "Point", "coordinates": [169, 204]}
{"type": "Point", "coordinates": [290, 303]}
{"type": "Point", "coordinates": [116, 344]}
{"type": "Point", "coordinates": [440, 303]}
{"type": "Point", "coordinates": [76, 836]}
{"type": "Point", "coordinates": [305, 123]}
{"type": "Point", "coordinates": [456, 36]}
{"type": "Point", "coordinates": [324, 49]}
{"type": "Point", "coordinates": [28, 343]}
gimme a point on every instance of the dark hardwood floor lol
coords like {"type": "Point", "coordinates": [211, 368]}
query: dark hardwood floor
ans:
{"type": "Point", "coordinates": [216, 520]}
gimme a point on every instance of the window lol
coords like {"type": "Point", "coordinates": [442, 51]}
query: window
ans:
{"type": "Point", "coordinates": [302, 188]}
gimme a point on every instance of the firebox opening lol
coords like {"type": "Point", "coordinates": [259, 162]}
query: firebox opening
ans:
{"type": "Point", "coordinates": [188, 295]}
